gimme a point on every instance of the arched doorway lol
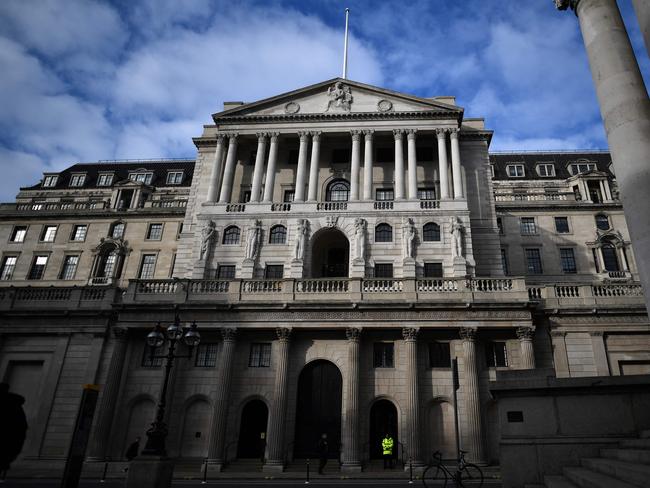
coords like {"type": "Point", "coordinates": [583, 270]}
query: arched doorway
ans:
{"type": "Point", "coordinates": [383, 420]}
{"type": "Point", "coordinates": [441, 429]}
{"type": "Point", "coordinates": [140, 418]}
{"type": "Point", "coordinates": [330, 254]}
{"type": "Point", "coordinates": [252, 430]}
{"type": "Point", "coordinates": [318, 409]}
{"type": "Point", "coordinates": [196, 430]}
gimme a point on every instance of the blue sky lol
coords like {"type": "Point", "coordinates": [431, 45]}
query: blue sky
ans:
{"type": "Point", "coordinates": [86, 80]}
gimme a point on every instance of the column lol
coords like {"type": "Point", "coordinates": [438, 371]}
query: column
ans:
{"type": "Point", "coordinates": [442, 164]}
{"type": "Point", "coordinates": [525, 335]}
{"type": "Point", "coordinates": [259, 167]}
{"type": "Point", "coordinates": [367, 164]}
{"type": "Point", "coordinates": [455, 165]}
{"type": "Point", "coordinates": [351, 457]}
{"type": "Point", "coordinates": [102, 432]}
{"type": "Point", "coordinates": [222, 387]}
{"type": "Point", "coordinates": [399, 164]}
{"type": "Point", "coordinates": [275, 434]}
{"type": "Point", "coordinates": [625, 109]}
{"type": "Point", "coordinates": [413, 164]}
{"type": "Point", "coordinates": [412, 406]}
{"type": "Point", "coordinates": [215, 172]}
{"type": "Point", "coordinates": [473, 429]}
{"type": "Point", "coordinates": [601, 260]}
{"type": "Point", "coordinates": [229, 171]}
{"type": "Point", "coordinates": [600, 352]}
{"type": "Point", "coordinates": [622, 258]}
{"type": "Point", "coordinates": [560, 357]}
{"type": "Point", "coordinates": [270, 168]}
{"type": "Point", "coordinates": [312, 194]}
{"type": "Point", "coordinates": [356, 165]}
{"type": "Point", "coordinates": [299, 195]}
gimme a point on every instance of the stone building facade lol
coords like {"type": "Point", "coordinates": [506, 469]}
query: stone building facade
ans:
{"type": "Point", "coordinates": [337, 246]}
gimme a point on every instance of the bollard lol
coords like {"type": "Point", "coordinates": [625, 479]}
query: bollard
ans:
{"type": "Point", "coordinates": [307, 480]}
{"type": "Point", "coordinates": [410, 472]}
{"type": "Point", "coordinates": [104, 473]}
{"type": "Point", "coordinates": [205, 472]}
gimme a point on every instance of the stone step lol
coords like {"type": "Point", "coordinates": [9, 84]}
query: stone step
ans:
{"type": "Point", "coordinates": [637, 474]}
{"type": "Point", "coordinates": [585, 478]}
{"type": "Point", "coordinates": [557, 482]}
{"type": "Point", "coordinates": [638, 443]}
{"type": "Point", "coordinates": [631, 455]}
{"type": "Point", "coordinates": [644, 434]}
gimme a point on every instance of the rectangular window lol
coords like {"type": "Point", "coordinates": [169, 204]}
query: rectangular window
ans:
{"type": "Point", "coordinates": [50, 181]}
{"type": "Point", "coordinates": [504, 261]}
{"type": "Point", "coordinates": [172, 266]}
{"type": "Point", "coordinates": [49, 233]}
{"type": "Point", "coordinates": [69, 267]}
{"type": "Point", "coordinates": [174, 177]}
{"type": "Point", "coordinates": [77, 180]}
{"type": "Point", "coordinates": [527, 225]}
{"type": "Point", "coordinates": [515, 170]}
{"type": "Point", "coordinates": [288, 195]}
{"type": "Point", "coordinates": [385, 194]}
{"type": "Point", "coordinates": [38, 268]}
{"type": "Point", "coordinates": [206, 355]}
{"type": "Point", "coordinates": [500, 225]}
{"type": "Point", "coordinates": [562, 225]}
{"type": "Point", "coordinates": [245, 196]}
{"type": "Point", "coordinates": [105, 179]}
{"type": "Point", "coordinates": [154, 232]}
{"type": "Point", "coordinates": [568, 260]}
{"type": "Point", "coordinates": [496, 355]}
{"type": "Point", "coordinates": [576, 168]}
{"type": "Point", "coordinates": [148, 358]}
{"type": "Point", "coordinates": [439, 355]}
{"type": "Point", "coordinates": [145, 178]}
{"type": "Point", "coordinates": [147, 267]}
{"type": "Point", "coordinates": [79, 233]}
{"type": "Point", "coordinates": [383, 270]}
{"type": "Point", "coordinates": [546, 169]}
{"type": "Point", "coordinates": [8, 267]}
{"type": "Point", "coordinates": [383, 354]}
{"type": "Point", "coordinates": [533, 261]}
{"type": "Point", "coordinates": [426, 194]}
{"type": "Point", "coordinates": [433, 270]}
{"type": "Point", "coordinates": [226, 272]}
{"type": "Point", "coordinates": [260, 355]}
{"type": "Point", "coordinates": [18, 233]}
{"type": "Point", "coordinates": [274, 271]}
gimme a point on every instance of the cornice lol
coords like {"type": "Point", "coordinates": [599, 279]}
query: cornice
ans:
{"type": "Point", "coordinates": [425, 114]}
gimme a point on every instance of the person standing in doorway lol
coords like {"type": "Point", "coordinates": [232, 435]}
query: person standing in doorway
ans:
{"type": "Point", "coordinates": [132, 451]}
{"type": "Point", "coordinates": [13, 427]}
{"type": "Point", "coordinates": [323, 452]}
{"type": "Point", "coordinates": [387, 451]}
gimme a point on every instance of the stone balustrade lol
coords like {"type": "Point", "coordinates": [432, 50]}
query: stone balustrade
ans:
{"type": "Point", "coordinates": [587, 295]}
{"type": "Point", "coordinates": [57, 297]}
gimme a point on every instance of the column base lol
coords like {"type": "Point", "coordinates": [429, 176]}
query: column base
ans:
{"type": "Point", "coordinates": [150, 472]}
{"type": "Point", "coordinates": [408, 268]}
{"type": "Point", "coordinates": [273, 467]}
{"type": "Point", "coordinates": [296, 269]}
{"type": "Point", "coordinates": [460, 267]}
{"type": "Point", "coordinates": [351, 468]}
{"type": "Point", "coordinates": [198, 272]}
{"type": "Point", "coordinates": [247, 268]}
{"type": "Point", "coordinates": [215, 466]}
{"type": "Point", "coordinates": [358, 269]}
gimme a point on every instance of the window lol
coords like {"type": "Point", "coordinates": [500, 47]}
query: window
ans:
{"type": "Point", "coordinates": [439, 355]}
{"type": "Point", "coordinates": [568, 260]}
{"type": "Point", "coordinates": [260, 355]}
{"type": "Point", "coordinates": [546, 169]}
{"type": "Point", "coordinates": [154, 232]}
{"type": "Point", "coordinates": [338, 191]}
{"type": "Point", "coordinates": [174, 177]}
{"type": "Point", "coordinates": [49, 233]}
{"type": "Point", "coordinates": [172, 266]}
{"type": "Point", "coordinates": [576, 168]}
{"type": "Point", "coordinates": [384, 194]}
{"type": "Point", "coordinates": [500, 225]}
{"type": "Point", "coordinates": [504, 261]}
{"type": "Point", "coordinates": [576, 194]}
{"type": "Point", "coordinates": [278, 234]}
{"type": "Point", "coordinates": [245, 196]}
{"type": "Point", "coordinates": [69, 267]}
{"type": "Point", "coordinates": [50, 181]}
{"type": "Point", "coordinates": [609, 257]}
{"type": "Point", "coordinates": [431, 232]}
{"type": "Point", "coordinates": [206, 355]}
{"type": "Point", "coordinates": [383, 233]}
{"type": "Point", "coordinates": [145, 178]}
{"type": "Point", "coordinates": [150, 359]}
{"type": "Point", "coordinates": [533, 261]}
{"type": "Point", "coordinates": [426, 193]}
{"type": "Point", "coordinates": [179, 230]}
{"type": "Point", "coordinates": [602, 222]}
{"type": "Point", "coordinates": [147, 267]}
{"type": "Point", "coordinates": [105, 179]}
{"type": "Point", "coordinates": [274, 272]}
{"type": "Point", "coordinates": [77, 180]}
{"type": "Point", "coordinates": [231, 235]}
{"type": "Point", "coordinates": [492, 170]}
{"type": "Point", "coordinates": [562, 225]}
{"type": "Point", "coordinates": [18, 233]}
{"type": "Point", "coordinates": [288, 195]}
{"type": "Point", "coordinates": [527, 225]}
{"type": "Point", "coordinates": [109, 265]}
{"type": "Point", "coordinates": [496, 355]}
{"type": "Point", "coordinates": [383, 353]}
{"type": "Point", "coordinates": [8, 267]}
{"type": "Point", "coordinates": [117, 230]}
{"type": "Point", "coordinates": [383, 270]}
{"type": "Point", "coordinates": [79, 233]}
{"type": "Point", "coordinates": [226, 272]}
{"type": "Point", "coordinates": [433, 270]}
{"type": "Point", "coordinates": [515, 170]}
{"type": "Point", "coordinates": [38, 268]}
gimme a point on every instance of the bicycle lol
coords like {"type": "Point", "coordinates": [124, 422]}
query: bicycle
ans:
{"type": "Point", "coordinates": [467, 474]}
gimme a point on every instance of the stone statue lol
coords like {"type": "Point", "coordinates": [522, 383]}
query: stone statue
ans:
{"type": "Point", "coordinates": [207, 238]}
{"type": "Point", "coordinates": [408, 237]}
{"type": "Point", "coordinates": [340, 96]}
{"type": "Point", "coordinates": [360, 239]}
{"type": "Point", "coordinates": [457, 237]}
{"type": "Point", "coordinates": [300, 239]}
{"type": "Point", "coordinates": [253, 240]}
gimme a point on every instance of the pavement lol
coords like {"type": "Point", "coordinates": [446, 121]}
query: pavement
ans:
{"type": "Point", "coordinates": [320, 483]}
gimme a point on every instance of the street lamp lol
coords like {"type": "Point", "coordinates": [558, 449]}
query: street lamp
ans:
{"type": "Point", "coordinates": [156, 338]}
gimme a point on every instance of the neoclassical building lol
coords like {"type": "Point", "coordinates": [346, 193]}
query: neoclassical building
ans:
{"type": "Point", "coordinates": [338, 246]}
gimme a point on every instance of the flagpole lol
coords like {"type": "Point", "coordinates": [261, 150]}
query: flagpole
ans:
{"type": "Point", "coordinates": [345, 45]}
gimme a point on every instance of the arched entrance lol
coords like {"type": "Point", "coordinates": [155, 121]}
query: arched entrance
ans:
{"type": "Point", "coordinates": [196, 429]}
{"type": "Point", "coordinates": [252, 430]}
{"type": "Point", "coordinates": [330, 254]}
{"type": "Point", "coordinates": [441, 433]}
{"type": "Point", "coordinates": [383, 420]}
{"type": "Point", "coordinates": [318, 409]}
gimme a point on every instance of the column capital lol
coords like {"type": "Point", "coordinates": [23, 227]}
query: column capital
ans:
{"type": "Point", "coordinates": [398, 134]}
{"type": "Point", "coordinates": [229, 334]}
{"type": "Point", "coordinates": [597, 333]}
{"type": "Point", "coordinates": [411, 134]}
{"type": "Point", "coordinates": [557, 333]}
{"type": "Point", "coordinates": [353, 334]}
{"type": "Point", "coordinates": [440, 132]}
{"type": "Point", "coordinates": [120, 333]}
{"type": "Point", "coordinates": [525, 333]}
{"type": "Point", "coordinates": [283, 333]}
{"type": "Point", "coordinates": [220, 138]}
{"type": "Point", "coordinates": [410, 334]}
{"type": "Point", "coordinates": [467, 334]}
{"type": "Point", "coordinates": [274, 136]}
{"type": "Point", "coordinates": [304, 135]}
{"type": "Point", "coordinates": [356, 134]}
{"type": "Point", "coordinates": [315, 135]}
{"type": "Point", "coordinates": [453, 132]}
{"type": "Point", "coordinates": [261, 135]}
{"type": "Point", "coordinates": [368, 133]}
{"type": "Point", "coordinates": [232, 136]}
{"type": "Point", "coordinates": [566, 4]}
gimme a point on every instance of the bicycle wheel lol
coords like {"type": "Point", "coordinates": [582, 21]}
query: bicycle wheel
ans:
{"type": "Point", "coordinates": [435, 474]}
{"type": "Point", "coordinates": [471, 475]}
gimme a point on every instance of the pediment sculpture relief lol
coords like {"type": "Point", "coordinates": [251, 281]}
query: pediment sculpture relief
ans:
{"type": "Point", "coordinates": [340, 97]}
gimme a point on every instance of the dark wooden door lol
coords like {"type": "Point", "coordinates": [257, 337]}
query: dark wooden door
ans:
{"type": "Point", "coordinates": [253, 424]}
{"type": "Point", "coordinates": [383, 420]}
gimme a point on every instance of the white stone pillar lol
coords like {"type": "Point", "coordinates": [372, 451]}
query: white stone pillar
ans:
{"type": "Point", "coordinates": [229, 171]}
{"type": "Point", "coordinates": [299, 195]}
{"type": "Point", "coordinates": [621, 258]}
{"type": "Point", "coordinates": [473, 428]}
{"type": "Point", "coordinates": [412, 405]}
{"type": "Point", "coordinates": [259, 167]}
{"type": "Point", "coordinates": [525, 336]}
{"type": "Point", "coordinates": [368, 157]}
{"type": "Point", "coordinates": [270, 168]}
{"type": "Point", "coordinates": [351, 455]}
{"type": "Point", "coordinates": [442, 163]}
{"type": "Point", "coordinates": [600, 258]}
{"type": "Point", "coordinates": [560, 356]}
{"type": "Point", "coordinates": [356, 165]}
{"type": "Point", "coordinates": [455, 165]}
{"type": "Point", "coordinates": [275, 435]}
{"type": "Point", "coordinates": [215, 172]}
{"type": "Point", "coordinates": [399, 164]}
{"type": "Point", "coordinates": [412, 164]}
{"type": "Point", "coordinates": [312, 194]}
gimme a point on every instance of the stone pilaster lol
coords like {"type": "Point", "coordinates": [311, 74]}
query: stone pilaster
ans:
{"type": "Point", "coordinates": [412, 164]}
{"type": "Point", "coordinates": [442, 163]}
{"type": "Point", "coordinates": [456, 173]}
{"type": "Point", "coordinates": [560, 356]}
{"type": "Point", "coordinates": [356, 165]}
{"type": "Point", "coordinates": [229, 170]}
{"type": "Point", "coordinates": [367, 164]}
{"type": "Point", "coordinates": [600, 352]}
{"type": "Point", "coordinates": [473, 428]}
{"type": "Point", "coordinates": [215, 171]}
{"type": "Point", "coordinates": [525, 336]}
{"type": "Point", "coordinates": [299, 195]}
{"type": "Point", "coordinates": [259, 167]}
{"type": "Point", "coordinates": [312, 193]}
{"type": "Point", "coordinates": [270, 168]}
{"type": "Point", "coordinates": [351, 455]}
{"type": "Point", "coordinates": [399, 163]}
{"type": "Point", "coordinates": [412, 405]}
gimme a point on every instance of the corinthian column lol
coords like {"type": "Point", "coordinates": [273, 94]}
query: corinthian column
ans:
{"type": "Point", "coordinates": [625, 109]}
{"type": "Point", "coordinates": [413, 164]}
{"type": "Point", "coordinates": [455, 165]}
{"type": "Point", "coordinates": [270, 168]}
{"type": "Point", "coordinates": [259, 167]}
{"type": "Point", "coordinates": [412, 407]}
{"type": "Point", "coordinates": [399, 164]}
{"type": "Point", "coordinates": [299, 195]}
{"type": "Point", "coordinates": [222, 387]}
{"type": "Point", "coordinates": [351, 458]}
{"type": "Point", "coordinates": [313, 166]}
{"type": "Point", "coordinates": [367, 165]}
{"type": "Point", "coordinates": [473, 430]}
{"type": "Point", "coordinates": [102, 433]}
{"type": "Point", "coordinates": [275, 437]}
{"type": "Point", "coordinates": [356, 165]}
{"type": "Point", "coordinates": [525, 335]}
{"type": "Point", "coordinates": [442, 164]}
{"type": "Point", "coordinates": [215, 172]}
{"type": "Point", "coordinates": [229, 171]}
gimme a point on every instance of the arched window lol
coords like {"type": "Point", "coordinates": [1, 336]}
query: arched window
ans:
{"type": "Point", "coordinates": [431, 232]}
{"type": "Point", "coordinates": [383, 233]}
{"type": "Point", "coordinates": [338, 191]}
{"type": "Point", "coordinates": [278, 234]}
{"type": "Point", "coordinates": [117, 230]}
{"type": "Point", "coordinates": [231, 235]}
{"type": "Point", "coordinates": [609, 257]}
{"type": "Point", "coordinates": [602, 222]}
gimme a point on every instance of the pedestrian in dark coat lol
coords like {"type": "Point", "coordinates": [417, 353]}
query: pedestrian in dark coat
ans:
{"type": "Point", "coordinates": [13, 426]}
{"type": "Point", "coordinates": [323, 453]}
{"type": "Point", "coordinates": [133, 450]}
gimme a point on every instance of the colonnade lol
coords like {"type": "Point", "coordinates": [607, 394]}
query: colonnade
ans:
{"type": "Point", "coordinates": [306, 179]}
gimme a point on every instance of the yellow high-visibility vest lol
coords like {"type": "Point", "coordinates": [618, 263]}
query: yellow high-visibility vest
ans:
{"type": "Point", "coordinates": [387, 445]}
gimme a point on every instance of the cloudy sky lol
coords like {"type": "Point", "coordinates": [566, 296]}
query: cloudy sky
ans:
{"type": "Point", "coordinates": [84, 80]}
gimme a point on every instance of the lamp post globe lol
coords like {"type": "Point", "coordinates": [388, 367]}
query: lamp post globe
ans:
{"type": "Point", "coordinates": [192, 337]}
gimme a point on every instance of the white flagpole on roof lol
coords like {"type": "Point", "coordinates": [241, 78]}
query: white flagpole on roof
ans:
{"type": "Point", "coordinates": [345, 45]}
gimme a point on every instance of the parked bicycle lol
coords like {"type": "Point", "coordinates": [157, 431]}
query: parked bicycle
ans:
{"type": "Point", "coordinates": [466, 474]}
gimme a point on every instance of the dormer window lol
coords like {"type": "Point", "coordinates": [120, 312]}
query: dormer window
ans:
{"type": "Point", "coordinates": [50, 181]}
{"type": "Point", "coordinates": [78, 179]}
{"type": "Point", "coordinates": [142, 177]}
{"type": "Point", "coordinates": [546, 169]}
{"type": "Point", "coordinates": [515, 170]}
{"type": "Point", "coordinates": [105, 179]}
{"type": "Point", "coordinates": [174, 177]}
{"type": "Point", "coordinates": [577, 168]}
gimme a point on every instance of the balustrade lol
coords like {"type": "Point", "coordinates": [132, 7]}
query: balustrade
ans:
{"type": "Point", "coordinates": [382, 286]}
{"type": "Point", "coordinates": [490, 284]}
{"type": "Point", "coordinates": [280, 207]}
{"type": "Point", "coordinates": [322, 286]}
{"type": "Point", "coordinates": [383, 205]}
{"type": "Point", "coordinates": [235, 207]}
{"type": "Point", "coordinates": [439, 285]}
{"type": "Point", "coordinates": [429, 204]}
{"type": "Point", "coordinates": [617, 290]}
{"type": "Point", "coordinates": [209, 286]}
{"type": "Point", "coordinates": [262, 286]}
{"type": "Point", "coordinates": [157, 287]}
{"type": "Point", "coordinates": [567, 291]}
{"type": "Point", "coordinates": [330, 206]}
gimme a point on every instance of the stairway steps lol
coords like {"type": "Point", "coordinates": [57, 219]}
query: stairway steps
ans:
{"type": "Point", "coordinates": [644, 434]}
{"type": "Point", "coordinates": [637, 443]}
{"type": "Point", "coordinates": [557, 482]}
{"type": "Point", "coordinates": [586, 478]}
{"type": "Point", "coordinates": [636, 474]}
{"type": "Point", "coordinates": [641, 456]}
